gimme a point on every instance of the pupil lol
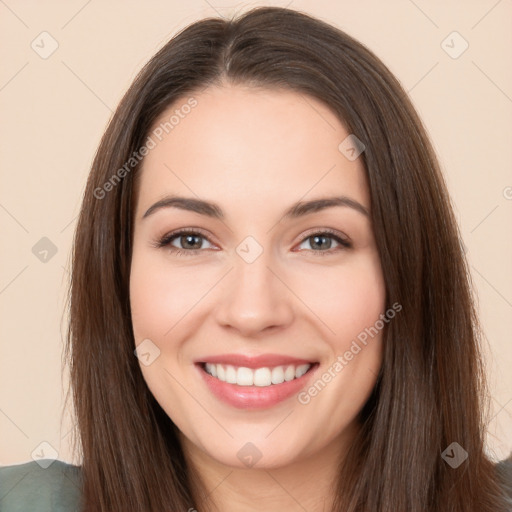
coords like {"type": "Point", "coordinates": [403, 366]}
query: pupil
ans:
{"type": "Point", "coordinates": [321, 242]}
{"type": "Point", "coordinates": [191, 241]}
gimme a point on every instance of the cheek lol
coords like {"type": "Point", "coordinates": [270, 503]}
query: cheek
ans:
{"type": "Point", "coordinates": [350, 303]}
{"type": "Point", "coordinates": [160, 296]}
{"type": "Point", "coordinates": [346, 299]}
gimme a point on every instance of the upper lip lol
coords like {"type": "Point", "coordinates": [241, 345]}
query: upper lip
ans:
{"type": "Point", "coordinates": [259, 361]}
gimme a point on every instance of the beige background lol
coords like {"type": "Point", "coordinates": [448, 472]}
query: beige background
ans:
{"type": "Point", "coordinates": [54, 111]}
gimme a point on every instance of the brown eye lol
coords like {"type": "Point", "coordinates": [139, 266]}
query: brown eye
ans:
{"type": "Point", "coordinates": [323, 242]}
{"type": "Point", "coordinates": [189, 241]}
{"type": "Point", "coordinates": [185, 242]}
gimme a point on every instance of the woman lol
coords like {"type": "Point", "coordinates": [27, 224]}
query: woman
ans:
{"type": "Point", "coordinates": [270, 307]}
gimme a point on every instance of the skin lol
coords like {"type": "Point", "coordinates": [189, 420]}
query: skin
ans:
{"type": "Point", "coordinates": [256, 152]}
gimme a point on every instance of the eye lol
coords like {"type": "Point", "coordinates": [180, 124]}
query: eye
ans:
{"type": "Point", "coordinates": [185, 242]}
{"type": "Point", "coordinates": [325, 241]}
{"type": "Point", "coordinates": [190, 242]}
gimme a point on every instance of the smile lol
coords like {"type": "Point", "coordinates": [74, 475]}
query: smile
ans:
{"type": "Point", "coordinates": [261, 377]}
{"type": "Point", "coordinates": [255, 382]}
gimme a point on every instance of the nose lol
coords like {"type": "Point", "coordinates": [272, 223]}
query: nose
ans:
{"type": "Point", "coordinates": [255, 298]}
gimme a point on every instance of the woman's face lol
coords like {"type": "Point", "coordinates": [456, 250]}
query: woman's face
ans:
{"type": "Point", "coordinates": [254, 261]}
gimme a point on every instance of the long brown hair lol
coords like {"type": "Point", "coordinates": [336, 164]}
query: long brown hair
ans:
{"type": "Point", "coordinates": [430, 391]}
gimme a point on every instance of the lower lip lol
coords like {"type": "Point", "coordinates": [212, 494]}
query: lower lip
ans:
{"type": "Point", "coordinates": [255, 397]}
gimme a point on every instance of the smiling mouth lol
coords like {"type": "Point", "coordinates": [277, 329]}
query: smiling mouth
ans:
{"type": "Point", "coordinates": [259, 377]}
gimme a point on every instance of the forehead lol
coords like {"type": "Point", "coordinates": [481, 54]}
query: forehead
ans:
{"type": "Point", "coordinates": [240, 145]}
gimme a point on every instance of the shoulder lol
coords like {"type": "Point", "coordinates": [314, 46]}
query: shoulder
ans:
{"type": "Point", "coordinates": [504, 471]}
{"type": "Point", "coordinates": [45, 485]}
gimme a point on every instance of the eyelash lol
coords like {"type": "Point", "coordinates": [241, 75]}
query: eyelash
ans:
{"type": "Point", "coordinates": [166, 240]}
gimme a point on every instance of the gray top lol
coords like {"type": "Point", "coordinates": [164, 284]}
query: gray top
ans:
{"type": "Point", "coordinates": [42, 486]}
{"type": "Point", "coordinates": [31, 487]}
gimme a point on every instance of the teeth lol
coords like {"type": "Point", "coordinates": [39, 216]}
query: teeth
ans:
{"type": "Point", "coordinates": [244, 376]}
{"type": "Point", "coordinates": [230, 374]}
{"type": "Point", "coordinates": [211, 369]}
{"type": "Point", "coordinates": [301, 370]}
{"type": "Point", "coordinates": [289, 373]}
{"type": "Point", "coordinates": [261, 377]}
{"type": "Point", "coordinates": [277, 375]}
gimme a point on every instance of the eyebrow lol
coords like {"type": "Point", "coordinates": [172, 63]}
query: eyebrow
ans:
{"type": "Point", "coordinates": [212, 210]}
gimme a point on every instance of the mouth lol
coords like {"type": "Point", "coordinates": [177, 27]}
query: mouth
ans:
{"type": "Point", "coordinates": [261, 377]}
{"type": "Point", "coordinates": [246, 383]}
